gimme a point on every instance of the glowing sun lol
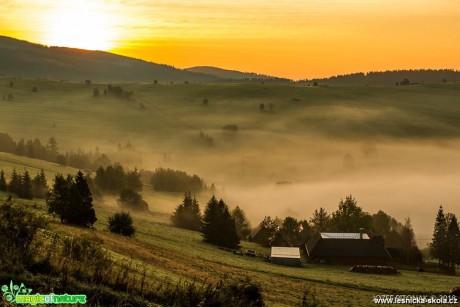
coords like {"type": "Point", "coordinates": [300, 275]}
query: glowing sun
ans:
{"type": "Point", "coordinates": [80, 24]}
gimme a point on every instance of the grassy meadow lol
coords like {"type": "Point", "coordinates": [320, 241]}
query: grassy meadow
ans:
{"type": "Point", "coordinates": [393, 148]}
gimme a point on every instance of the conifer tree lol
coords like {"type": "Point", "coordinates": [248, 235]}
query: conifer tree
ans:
{"type": "Point", "coordinates": [439, 241]}
{"type": "Point", "coordinates": [40, 185]}
{"type": "Point", "coordinates": [218, 226]}
{"type": "Point", "coordinates": [71, 199]}
{"type": "Point", "coordinates": [187, 214]}
{"type": "Point", "coordinates": [82, 202]}
{"type": "Point", "coordinates": [58, 199]}
{"type": "Point", "coordinates": [453, 241]}
{"type": "Point", "coordinates": [320, 220]}
{"type": "Point", "coordinates": [26, 186]}
{"type": "Point", "coordinates": [243, 228]}
{"type": "Point", "coordinates": [3, 184]}
{"type": "Point", "coordinates": [15, 183]}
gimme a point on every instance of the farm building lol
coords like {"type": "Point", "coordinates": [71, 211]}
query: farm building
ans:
{"type": "Point", "coordinates": [286, 256]}
{"type": "Point", "coordinates": [347, 248]}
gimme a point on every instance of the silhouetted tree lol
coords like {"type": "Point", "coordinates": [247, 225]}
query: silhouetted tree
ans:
{"type": "Point", "coordinates": [71, 199]}
{"type": "Point", "coordinates": [34, 89]}
{"type": "Point", "coordinates": [243, 228]}
{"type": "Point", "coordinates": [349, 217]}
{"type": "Point", "coordinates": [40, 185]}
{"type": "Point", "coordinates": [3, 184]}
{"type": "Point", "coordinates": [25, 190]}
{"type": "Point", "coordinates": [58, 200]}
{"type": "Point", "coordinates": [320, 220]}
{"type": "Point", "coordinates": [96, 93]}
{"type": "Point", "coordinates": [289, 233]}
{"type": "Point", "coordinates": [266, 233]}
{"type": "Point", "coordinates": [438, 246]}
{"type": "Point", "coordinates": [409, 246]}
{"type": "Point", "coordinates": [121, 223]}
{"type": "Point", "coordinates": [15, 183]}
{"type": "Point", "coordinates": [453, 243]}
{"type": "Point", "coordinates": [218, 226]}
{"type": "Point", "coordinates": [261, 107]}
{"type": "Point", "coordinates": [133, 181]}
{"type": "Point", "coordinates": [187, 214]}
{"type": "Point", "coordinates": [205, 102]}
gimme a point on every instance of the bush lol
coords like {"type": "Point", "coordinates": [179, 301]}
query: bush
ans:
{"type": "Point", "coordinates": [121, 223]}
{"type": "Point", "coordinates": [18, 230]}
{"type": "Point", "coordinates": [129, 199]}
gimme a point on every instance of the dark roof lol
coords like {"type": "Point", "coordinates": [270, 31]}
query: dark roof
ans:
{"type": "Point", "coordinates": [318, 247]}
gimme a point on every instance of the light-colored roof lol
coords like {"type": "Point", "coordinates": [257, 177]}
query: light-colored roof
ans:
{"type": "Point", "coordinates": [343, 235]}
{"type": "Point", "coordinates": [285, 252]}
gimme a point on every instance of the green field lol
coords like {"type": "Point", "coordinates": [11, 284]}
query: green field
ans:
{"type": "Point", "coordinates": [304, 140]}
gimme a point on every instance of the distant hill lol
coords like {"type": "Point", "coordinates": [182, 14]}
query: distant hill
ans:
{"type": "Point", "coordinates": [227, 74]}
{"type": "Point", "coordinates": [391, 77]}
{"type": "Point", "coordinates": [21, 58]}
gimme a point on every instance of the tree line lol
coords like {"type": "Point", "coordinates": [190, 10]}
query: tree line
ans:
{"type": "Point", "coordinates": [349, 217]}
{"type": "Point", "coordinates": [23, 186]}
{"type": "Point", "coordinates": [49, 152]}
{"type": "Point", "coordinates": [223, 227]}
{"type": "Point", "coordinates": [169, 180]}
{"type": "Point", "coordinates": [390, 77]}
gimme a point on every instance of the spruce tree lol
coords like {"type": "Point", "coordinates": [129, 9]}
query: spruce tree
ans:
{"type": "Point", "coordinates": [15, 183]}
{"type": "Point", "coordinates": [58, 199]}
{"type": "Point", "coordinates": [453, 242]}
{"type": "Point", "coordinates": [242, 225]}
{"type": "Point", "coordinates": [439, 241]}
{"type": "Point", "coordinates": [210, 226]}
{"type": "Point", "coordinates": [218, 225]}
{"type": "Point", "coordinates": [40, 185]}
{"type": "Point", "coordinates": [187, 214]}
{"type": "Point", "coordinates": [3, 185]}
{"type": "Point", "coordinates": [81, 202]}
{"type": "Point", "coordinates": [227, 236]}
{"type": "Point", "coordinates": [26, 186]}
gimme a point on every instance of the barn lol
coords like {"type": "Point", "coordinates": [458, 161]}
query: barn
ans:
{"type": "Point", "coordinates": [289, 256]}
{"type": "Point", "coordinates": [347, 248]}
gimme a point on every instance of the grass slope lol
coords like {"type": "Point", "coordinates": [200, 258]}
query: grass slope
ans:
{"type": "Point", "coordinates": [173, 255]}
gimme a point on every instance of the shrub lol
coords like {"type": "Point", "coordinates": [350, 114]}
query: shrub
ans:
{"type": "Point", "coordinates": [121, 223]}
{"type": "Point", "coordinates": [18, 230]}
{"type": "Point", "coordinates": [129, 199]}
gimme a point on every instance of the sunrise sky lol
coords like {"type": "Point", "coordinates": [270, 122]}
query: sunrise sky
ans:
{"type": "Point", "coordinates": [287, 38]}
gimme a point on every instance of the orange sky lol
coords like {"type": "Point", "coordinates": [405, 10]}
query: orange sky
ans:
{"type": "Point", "coordinates": [294, 39]}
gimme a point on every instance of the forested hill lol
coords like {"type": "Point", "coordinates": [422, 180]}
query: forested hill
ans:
{"type": "Point", "coordinates": [24, 59]}
{"type": "Point", "coordinates": [402, 77]}
{"type": "Point", "coordinates": [226, 74]}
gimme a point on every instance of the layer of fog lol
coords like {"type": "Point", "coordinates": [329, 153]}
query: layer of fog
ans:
{"type": "Point", "coordinates": [295, 176]}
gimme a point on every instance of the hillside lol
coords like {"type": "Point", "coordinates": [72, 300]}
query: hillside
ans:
{"type": "Point", "coordinates": [232, 74]}
{"type": "Point", "coordinates": [21, 58]}
{"type": "Point", "coordinates": [367, 141]}
{"type": "Point", "coordinates": [391, 77]}
{"type": "Point", "coordinates": [166, 256]}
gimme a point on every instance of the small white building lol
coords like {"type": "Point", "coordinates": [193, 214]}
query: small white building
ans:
{"type": "Point", "coordinates": [285, 256]}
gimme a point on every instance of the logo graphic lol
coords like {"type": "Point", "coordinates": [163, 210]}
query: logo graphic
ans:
{"type": "Point", "coordinates": [22, 295]}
